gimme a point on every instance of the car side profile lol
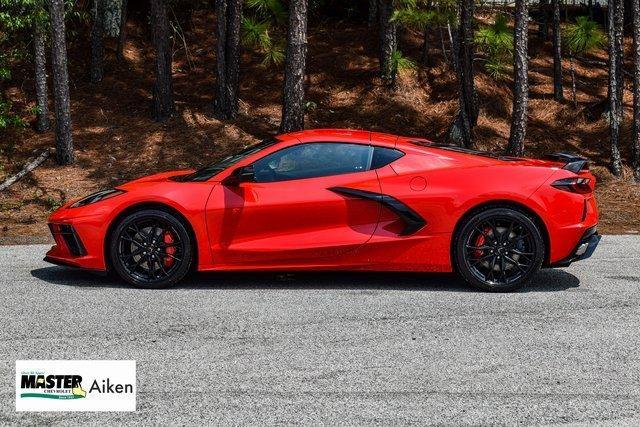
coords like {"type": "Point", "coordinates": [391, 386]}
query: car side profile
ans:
{"type": "Point", "coordinates": [339, 199]}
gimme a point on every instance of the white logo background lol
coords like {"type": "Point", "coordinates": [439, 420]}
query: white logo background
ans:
{"type": "Point", "coordinates": [118, 372]}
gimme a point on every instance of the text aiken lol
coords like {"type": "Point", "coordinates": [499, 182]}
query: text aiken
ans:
{"type": "Point", "coordinates": [107, 387]}
{"type": "Point", "coordinates": [48, 382]}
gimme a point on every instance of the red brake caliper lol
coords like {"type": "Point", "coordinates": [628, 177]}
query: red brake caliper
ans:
{"type": "Point", "coordinates": [168, 239]}
{"type": "Point", "coordinates": [480, 241]}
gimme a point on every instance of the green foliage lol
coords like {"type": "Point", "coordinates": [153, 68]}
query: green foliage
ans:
{"type": "Point", "coordinates": [17, 21]}
{"type": "Point", "coordinates": [266, 17]}
{"type": "Point", "coordinates": [496, 37]}
{"type": "Point", "coordinates": [269, 8]}
{"type": "Point", "coordinates": [414, 18]}
{"type": "Point", "coordinates": [400, 63]}
{"type": "Point", "coordinates": [496, 41]}
{"type": "Point", "coordinates": [7, 118]}
{"type": "Point", "coordinates": [583, 36]}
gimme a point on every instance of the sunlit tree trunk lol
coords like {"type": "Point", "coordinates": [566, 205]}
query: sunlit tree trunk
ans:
{"type": "Point", "coordinates": [615, 84]}
{"type": "Point", "coordinates": [521, 81]}
{"type": "Point", "coordinates": [573, 81]}
{"type": "Point", "coordinates": [42, 97]}
{"type": "Point", "coordinates": [64, 141]}
{"type": "Point", "coordinates": [557, 53]}
{"type": "Point", "coordinates": [163, 104]}
{"type": "Point", "coordinates": [635, 145]}
{"type": "Point", "coordinates": [295, 65]}
{"type": "Point", "coordinates": [388, 40]}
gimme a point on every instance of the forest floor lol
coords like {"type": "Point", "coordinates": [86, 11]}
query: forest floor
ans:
{"type": "Point", "coordinates": [115, 139]}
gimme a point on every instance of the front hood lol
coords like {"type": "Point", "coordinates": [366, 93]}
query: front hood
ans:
{"type": "Point", "coordinates": [155, 178]}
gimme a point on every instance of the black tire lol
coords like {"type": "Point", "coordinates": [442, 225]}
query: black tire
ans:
{"type": "Point", "coordinates": [151, 249]}
{"type": "Point", "coordinates": [498, 249]}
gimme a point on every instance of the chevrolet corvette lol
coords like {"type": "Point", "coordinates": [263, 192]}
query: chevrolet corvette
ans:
{"type": "Point", "coordinates": [339, 200]}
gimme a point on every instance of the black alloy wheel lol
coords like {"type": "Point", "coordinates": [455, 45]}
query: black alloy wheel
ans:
{"type": "Point", "coordinates": [499, 249]}
{"type": "Point", "coordinates": [151, 249]}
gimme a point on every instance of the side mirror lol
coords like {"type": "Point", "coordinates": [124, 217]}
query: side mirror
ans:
{"type": "Point", "coordinates": [239, 175]}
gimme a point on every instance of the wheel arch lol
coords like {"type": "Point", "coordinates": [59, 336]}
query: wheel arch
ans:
{"type": "Point", "coordinates": [502, 203]}
{"type": "Point", "coordinates": [143, 206]}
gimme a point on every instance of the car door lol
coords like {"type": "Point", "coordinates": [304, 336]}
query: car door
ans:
{"type": "Point", "coordinates": [291, 213]}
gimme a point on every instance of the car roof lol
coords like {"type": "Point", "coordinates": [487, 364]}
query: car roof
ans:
{"type": "Point", "coordinates": [342, 135]}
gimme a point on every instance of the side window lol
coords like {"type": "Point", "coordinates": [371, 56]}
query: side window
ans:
{"type": "Point", "coordinates": [383, 156]}
{"type": "Point", "coordinates": [313, 160]}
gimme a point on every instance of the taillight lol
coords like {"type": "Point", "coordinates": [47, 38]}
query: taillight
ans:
{"type": "Point", "coordinates": [574, 185]}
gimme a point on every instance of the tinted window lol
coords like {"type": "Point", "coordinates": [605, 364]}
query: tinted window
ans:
{"type": "Point", "coordinates": [217, 167]}
{"type": "Point", "coordinates": [313, 160]}
{"type": "Point", "coordinates": [383, 156]}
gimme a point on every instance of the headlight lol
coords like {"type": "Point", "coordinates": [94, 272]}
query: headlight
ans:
{"type": "Point", "coordinates": [96, 197]}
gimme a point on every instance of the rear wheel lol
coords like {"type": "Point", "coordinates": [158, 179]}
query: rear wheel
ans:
{"type": "Point", "coordinates": [151, 249]}
{"type": "Point", "coordinates": [499, 249]}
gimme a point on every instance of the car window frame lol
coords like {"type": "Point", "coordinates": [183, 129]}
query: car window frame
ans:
{"type": "Point", "coordinates": [372, 147]}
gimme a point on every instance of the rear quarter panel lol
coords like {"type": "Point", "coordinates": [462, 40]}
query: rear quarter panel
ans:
{"type": "Point", "coordinates": [442, 187]}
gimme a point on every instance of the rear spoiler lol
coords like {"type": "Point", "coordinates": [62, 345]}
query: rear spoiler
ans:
{"type": "Point", "coordinates": [571, 162]}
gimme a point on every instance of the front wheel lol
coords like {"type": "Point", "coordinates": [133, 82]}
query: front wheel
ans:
{"type": "Point", "coordinates": [151, 249]}
{"type": "Point", "coordinates": [499, 249]}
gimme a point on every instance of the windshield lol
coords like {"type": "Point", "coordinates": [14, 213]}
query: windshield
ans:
{"type": "Point", "coordinates": [217, 167]}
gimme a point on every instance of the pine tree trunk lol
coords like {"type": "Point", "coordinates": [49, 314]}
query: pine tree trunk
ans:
{"type": "Point", "coordinates": [521, 81]}
{"type": "Point", "coordinates": [64, 140]}
{"type": "Point", "coordinates": [219, 106]}
{"type": "Point", "coordinates": [388, 40]}
{"type": "Point", "coordinates": [573, 82]}
{"type": "Point", "coordinates": [467, 117]}
{"type": "Point", "coordinates": [543, 26]}
{"type": "Point", "coordinates": [42, 98]}
{"type": "Point", "coordinates": [234, 22]}
{"type": "Point", "coordinates": [425, 47]}
{"type": "Point", "coordinates": [373, 13]}
{"type": "Point", "coordinates": [293, 102]}
{"type": "Point", "coordinates": [615, 101]}
{"type": "Point", "coordinates": [122, 35]}
{"type": "Point", "coordinates": [635, 145]}
{"type": "Point", "coordinates": [163, 105]}
{"type": "Point", "coordinates": [228, 24]}
{"type": "Point", "coordinates": [557, 53]}
{"type": "Point", "coordinates": [97, 47]}
{"type": "Point", "coordinates": [444, 47]}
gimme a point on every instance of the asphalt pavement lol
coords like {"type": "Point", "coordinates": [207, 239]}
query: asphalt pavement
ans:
{"type": "Point", "coordinates": [351, 348]}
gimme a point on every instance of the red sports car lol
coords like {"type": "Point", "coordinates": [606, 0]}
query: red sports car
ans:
{"type": "Point", "coordinates": [339, 200]}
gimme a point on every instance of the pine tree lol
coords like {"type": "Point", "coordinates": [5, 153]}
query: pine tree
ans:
{"type": "Point", "coordinates": [163, 104]}
{"type": "Point", "coordinates": [372, 13]}
{"type": "Point", "coordinates": [635, 145]}
{"type": "Point", "coordinates": [581, 37]}
{"type": "Point", "coordinates": [388, 40]}
{"type": "Point", "coordinates": [97, 47]}
{"type": "Point", "coordinates": [557, 53]}
{"type": "Point", "coordinates": [521, 81]}
{"type": "Point", "coordinates": [64, 141]}
{"type": "Point", "coordinates": [40, 61]}
{"type": "Point", "coordinates": [295, 64]}
{"type": "Point", "coordinates": [615, 83]}
{"type": "Point", "coordinates": [122, 33]}
{"type": "Point", "coordinates": [467, 117]}
{"type": "Point", "coordinates": [229, 22]}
